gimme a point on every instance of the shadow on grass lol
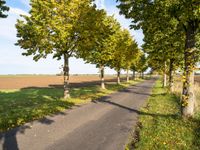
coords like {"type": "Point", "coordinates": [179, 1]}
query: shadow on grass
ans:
{"type": "Point", "coordinates": [20, 106]}
{"type": "Point", "coordinates": [173, 119]}
{"type": "Point", "coordinates": [189, 129]}
{"type": "Point", "coordinates": [196, 139]}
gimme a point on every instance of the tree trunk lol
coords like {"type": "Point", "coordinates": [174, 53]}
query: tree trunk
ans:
{"type": "Point", "coordinates": [188, 97]}
{"type": "Point", "coordinates": [118, 77]}
{"type": "Point", "coordinates": [164, 80]}
{"type": "Point", "coordinates": [127, 75]}
{"type": "Point", "coordinates": [171, 76]}
{"type": "Point", "coordinates": [142, 75]}
{"type": "Point", "coordinates": [66, 76]}
{"type": "Point", "coordinates": [164, 76]}
{"type": "Point", "coordinates": [102, 77]}
{"type": "Point", "coordinates": [133, 74]}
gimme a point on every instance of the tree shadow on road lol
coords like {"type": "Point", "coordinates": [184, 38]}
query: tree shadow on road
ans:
{"type": "Point", "coordinates": [20, 106]}
{"type": "Point", "coordinates": [174, 119]}
{"type": "Point", "coordinates": [105, 100]}
{"type": "Point", "coordinates": [8, 140]}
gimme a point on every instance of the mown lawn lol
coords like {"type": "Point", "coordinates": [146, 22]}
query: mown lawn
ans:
{"type": "Point", "coordinates": [161, 127]}
{"type": "Point", "coordinates": [20, 106]}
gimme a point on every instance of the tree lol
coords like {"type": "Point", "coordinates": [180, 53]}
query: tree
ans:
{"type": "Point", "coordinates": [163, 41]}
{"type": "Point", "coordinates": [134, 64]}
{"type": "Point", "coordinates": [164, 51]}
{"type": "Point", "coordinates": [132, 54]}
{"type": "Point", "coordinates": [184, 18]}
{"type": "Point", "coordinates": [53, 28]}
{"type": "Point", "coordinates": [187, 13]}
{"type": "Point", "coordinates": [124, 52]}
{"type": "Point", "coordinates": [101, 45]}
{"type": "Point", "coordinates": [3, 8]}
{"type": "Point", "coordinates": [142, 65]}
{"type": "Point", "coordinates": [122, 43]}
{"type": "Point", "coordinates": [117, 56]}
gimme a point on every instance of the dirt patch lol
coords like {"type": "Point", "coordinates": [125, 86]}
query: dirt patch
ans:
{"type": "Point", "coordinates": [197, 79]}
{"type": "Point", "coordinates": [18, 82]}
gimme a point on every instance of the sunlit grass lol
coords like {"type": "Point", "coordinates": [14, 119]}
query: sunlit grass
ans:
{"type": "Point", "coordinates": [20, 106]}
{"type": "Point", "coordinates": [161, 126]}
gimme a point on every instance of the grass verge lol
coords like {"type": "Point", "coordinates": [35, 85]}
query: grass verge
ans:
{"type": "Point", "coordinates": [161, 126]}
{"type": "Point", "coordinates": [20, 106]}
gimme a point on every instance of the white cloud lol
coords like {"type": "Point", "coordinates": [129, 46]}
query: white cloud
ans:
{"type": "Point", "coordinates": [13, 62]}
{"type": "Point", "coordinates": [125, 23]}
{"type": "Point", "coordinates": [7, 26]}
{"type": "Point", "coordinates": [100, 4]}
{"type": "Point", "coordinates": [26, 3]}
{"type": "Point", "coordinates": [18, 11]}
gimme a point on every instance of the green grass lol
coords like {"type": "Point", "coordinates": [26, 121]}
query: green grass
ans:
{"type": "Point", "coordinates": [161, 126]}
{"type": "Point", "coordinates": [20, 106]}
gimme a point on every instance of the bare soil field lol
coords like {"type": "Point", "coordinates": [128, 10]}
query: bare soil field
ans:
{"type": "Point", "coordinates": [197, 78]}
{"type": "Point", "coordinates": [19, 82]}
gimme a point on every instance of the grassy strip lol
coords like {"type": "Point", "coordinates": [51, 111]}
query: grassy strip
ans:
{"type": "Point", "coordinates": [161, 126]}
{"type": "Point", "coordinates": [20, 106]}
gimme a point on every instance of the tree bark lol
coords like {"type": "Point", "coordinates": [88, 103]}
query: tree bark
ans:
{"type": "Point", "coordinates": [142, 75]}
{"type": "Point", "coordinates": [164, 80]}
{"type": "Point", "coordinates": [133, 74]}
{"type": "Point", "coordinates": [102, 77]}
{"type": "Point", "coordinates": [164, 76]}
{"type": "Point", "coordinates": [171, 76]}
{"type": "Point", "coordinates": [127, 75]}
{"type": "Point", "coordinates": [66, 76]}
{"type": "Point", "coordinates": [118, 77]}
{"type": "Point", "coordinates": [188, 97]}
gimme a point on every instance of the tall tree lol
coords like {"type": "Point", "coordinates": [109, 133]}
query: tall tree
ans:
{"type": "Point", "coordinates": [187, 13]}
{"type": "Point", "coordinates": [53, 28]}
{"type": "Point", "coordinates": [142, 65]}
{"type": "Point", "coordinates": [122, 45]}
{"type": "Point", "coordinates": [163, 40]}
{"type": "Point", "coordinates": [124, 53]}
{"type": "Point", "coordinates": [3, 8]}
{"type": "Point", "coordinates": [135, 64]}
{"type": "Point", "coordinates": [184, 18]}
{"type": "Point", "coordinates": [132, 54]}
{"type": "Point", "coordinates": [102, 43]}
{"type": "Point", "coordinates": [117, 55]}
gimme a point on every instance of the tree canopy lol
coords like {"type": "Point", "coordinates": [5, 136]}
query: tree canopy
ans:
{"type": "Point", "coordinates": [55, 27]}
{"type": "Point", "coordinates": [171, 30]}
{"type": "Point", "coordinates": [74, 28]}
{"type": "Point", "coordinates": [3, 8]}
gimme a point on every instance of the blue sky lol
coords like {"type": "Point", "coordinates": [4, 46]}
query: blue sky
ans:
{"type": "Point", "coordinates": [12, 62]}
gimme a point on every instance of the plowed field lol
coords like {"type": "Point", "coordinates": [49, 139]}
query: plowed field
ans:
{"type": "Point", "coordinates": [18, 82]}
{"type": "Point", "coordinates": [197, 78]}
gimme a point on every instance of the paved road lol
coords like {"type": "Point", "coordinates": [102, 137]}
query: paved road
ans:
{"type": "Point", "coordinates": [99, 125]}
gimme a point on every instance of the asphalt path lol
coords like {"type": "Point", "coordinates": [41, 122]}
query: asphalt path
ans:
{"type": "Point", "coordinates": [104, 124]}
